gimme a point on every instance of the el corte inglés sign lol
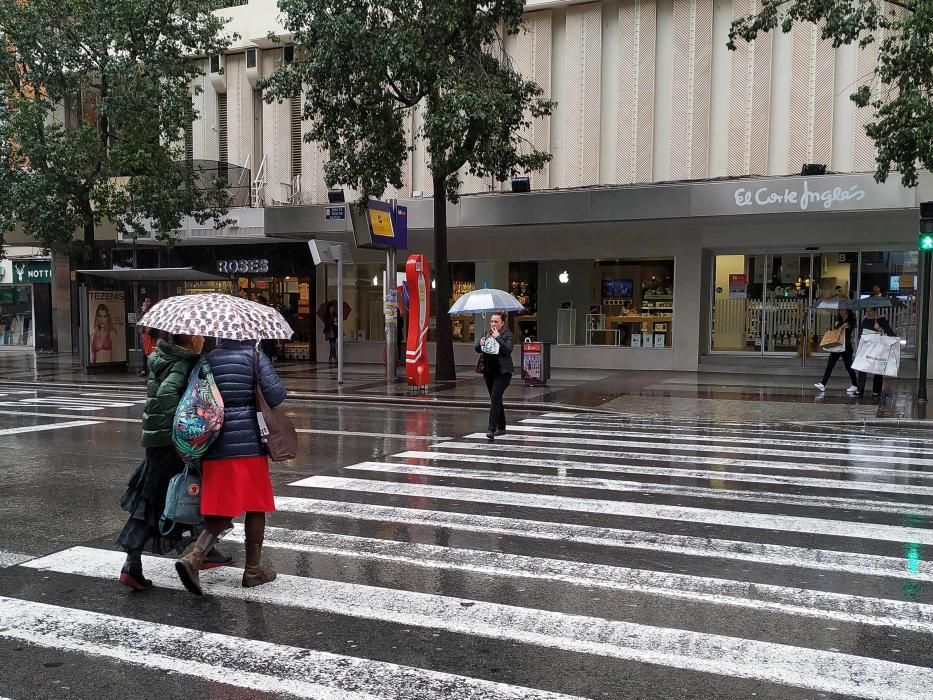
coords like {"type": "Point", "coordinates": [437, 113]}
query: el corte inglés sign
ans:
{"type": "Point", "coordinates": [804, 196]}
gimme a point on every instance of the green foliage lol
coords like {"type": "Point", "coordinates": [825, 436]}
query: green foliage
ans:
{"type": "Point", "coordinates": [363, 66]}
{"type": "Point", "coordinates": [902, 100]}
{"type": "Point", "coordinates": [94, 104]}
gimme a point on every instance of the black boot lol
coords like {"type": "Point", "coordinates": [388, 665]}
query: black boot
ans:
{"type": "Point", "coordinates": [131, 575]}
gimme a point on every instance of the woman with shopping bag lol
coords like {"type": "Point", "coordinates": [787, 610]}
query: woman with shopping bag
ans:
{"type": "Point", "coordinates": [839, 345]}
{"type": "Point", "coordinates": [873, 323]}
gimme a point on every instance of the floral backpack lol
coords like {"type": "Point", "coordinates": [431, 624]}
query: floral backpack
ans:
{"type": "Point", "coordinates": [199, 416]}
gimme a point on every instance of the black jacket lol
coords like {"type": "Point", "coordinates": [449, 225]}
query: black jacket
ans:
{"type": "Point", "coordinates": [233, 366]}
{"type": "Point", "coordinates": [868, 324]}
{"type": "Point", "coordinates": [504, 358]}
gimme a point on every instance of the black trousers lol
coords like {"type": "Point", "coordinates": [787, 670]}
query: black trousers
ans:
{"type": "Point", "coordinates": [496, 384]}
{"type": "Point", "coordinates": [846, 361]}
{"type": "Point", "coordinates": [877, 383]}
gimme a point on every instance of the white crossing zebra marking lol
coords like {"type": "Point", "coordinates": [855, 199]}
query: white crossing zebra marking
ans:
{"type": "Point", "coordinates": [620, 486]}
{"type": "Point", "coordinates": [733, 550]}
{"type": "Point", "coordinates": [46, 427]}
{"type": "Point", "coordinates": [728, 518]}
{"type": "Point", "coordinates": [662, 448]}
{"type": "Point", "coordinates": [754, 596]}
{"type": "Point", "coordinates": [564, 465]}
{"type": "Point", "coordinates": [246, 663]}
{"type": "Point", "coordinates": [12, 559]}
{"type": "Point", "coordinates": [814, 669]}
{"type": "Point", "coordinates": [768, 465]}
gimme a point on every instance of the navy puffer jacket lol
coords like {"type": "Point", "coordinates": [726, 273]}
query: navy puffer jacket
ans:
{"type": "Point", "coordinates": [233, 366]}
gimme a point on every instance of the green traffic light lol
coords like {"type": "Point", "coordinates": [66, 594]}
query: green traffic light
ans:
{"type": "Point", "coordinates": [925, 242]}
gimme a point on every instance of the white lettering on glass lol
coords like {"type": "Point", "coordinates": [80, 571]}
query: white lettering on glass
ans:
{"type": "Point", "coordinates": [805, 198]}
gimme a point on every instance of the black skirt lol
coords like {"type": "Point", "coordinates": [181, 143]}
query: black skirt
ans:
{"type": "Point", "coordinates": [144, 500]}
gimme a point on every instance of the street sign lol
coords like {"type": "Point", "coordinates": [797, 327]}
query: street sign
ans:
{"type": "Point", "coordinates": [335, 213]}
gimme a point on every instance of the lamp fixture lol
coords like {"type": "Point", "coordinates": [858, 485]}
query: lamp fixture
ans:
{"type": "Point", "coordinates": [813, 169]}
{"type": "Point", "coordinates": [521, 184]}
{"type": "Point", "coordinates": [335, 196]}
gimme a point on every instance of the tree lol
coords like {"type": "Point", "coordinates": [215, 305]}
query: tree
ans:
{"type": "Point", "coordinates": [362, 66]}
{"type": "Point", "coordinates": [94, 105]}
{"type": "Point", "coordinates": [902, 128]}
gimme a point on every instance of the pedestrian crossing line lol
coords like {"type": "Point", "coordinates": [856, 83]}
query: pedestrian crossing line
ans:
{"type": "Point", "coordinates": [97, 419]}
{"type": "Point", "coordinates": [824, 446]}
{"type": "Point", "coordinates": [813, 669]}
{"type": "Point", "coordinates": [664, 429]}
{"type": "Point", "coordinates": [881, 472]}
{"type": "Point", "coordinates": [240, 662]}
{"type": "Point", "coordinates": [12, 559]}
{"type": "Point", "coordinates": [654, 542]}
{"type": "Point", "coordinates": [46, 427]}
{"type": "Point", "coordinates": [629, 509]}
{"type": "Point", "coordinates": [64, 405]}
{"type": "Point", "coordinates": [619, 486]}
{"type": "Point", "coordinates": [355, 433]}
{"type": "Point", "coordinates": [685, 472]}
{"type": "Point", "coordinates": [663, 449]}
{"type": "Point", "coordinates": [755, 596]}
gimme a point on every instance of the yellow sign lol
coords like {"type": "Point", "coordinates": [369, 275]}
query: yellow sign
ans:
{"type": "Point", "coordinates": [381, 223]}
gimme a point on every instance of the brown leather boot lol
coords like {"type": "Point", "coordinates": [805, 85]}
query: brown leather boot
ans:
{"type": "Point", "coordinates": [254, 574]}
{"type": "Point", "coordinates": [189, 565]}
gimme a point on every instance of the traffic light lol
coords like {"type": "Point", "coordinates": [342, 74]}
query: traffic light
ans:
{"type": "Point", "coordinates": [925, 240]}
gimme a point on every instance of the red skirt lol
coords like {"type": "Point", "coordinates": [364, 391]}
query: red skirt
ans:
{"type": "Point", "coordinates": [231, 487]}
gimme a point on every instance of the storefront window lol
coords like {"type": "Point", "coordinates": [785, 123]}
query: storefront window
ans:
{"type": "Point", "coordinates": [16, 323]}
{"type": "Point", "coordinates": [362, 292]}
{"type": "Point", "coordinates": [894, 274]}
{"type": "Point", "coordinates": [462, 281]}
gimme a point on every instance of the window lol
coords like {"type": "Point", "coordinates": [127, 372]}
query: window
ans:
{"type": "Point", "coordinates": [295, 135]}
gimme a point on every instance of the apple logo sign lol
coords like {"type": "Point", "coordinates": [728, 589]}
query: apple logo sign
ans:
{"type": "Point", "coordinates": [564, 277]}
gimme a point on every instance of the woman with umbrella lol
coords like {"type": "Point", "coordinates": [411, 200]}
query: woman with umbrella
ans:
{"type": "Point", "coordinates": [327, 312]}
{"type": "Point", "coordinates": [847, 321]}
{"type": "Point", "coordinates": [876, 323]}
{"type": "Point", "coordinates": [235, 469]}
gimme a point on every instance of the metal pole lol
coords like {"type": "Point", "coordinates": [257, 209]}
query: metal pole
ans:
{"type": "Point", "coordinates": [924, 338]}
{"type": "Point", "coordinates": [390, 319]}
{"type": "Point", "coordinates": [339, 255]}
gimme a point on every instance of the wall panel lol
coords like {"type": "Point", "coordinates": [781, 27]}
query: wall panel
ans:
{"type": "Point", "coordinates": [811, 113]}
{"type": "Point", "coordinates": [750, 100]}
{"type": "Point", "coordinates": [692, 67]}
{"type": "Point", "coordinates": [579, 97]}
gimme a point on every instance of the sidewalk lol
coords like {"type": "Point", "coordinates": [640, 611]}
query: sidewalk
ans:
{"type": "Point", "coordinates": [687, 395]}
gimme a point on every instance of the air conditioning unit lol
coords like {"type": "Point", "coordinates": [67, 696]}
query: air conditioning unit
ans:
{"type": "Point", "coordinates": [253, 66]}
{"type": "Point", "coordinates": [215, 71]}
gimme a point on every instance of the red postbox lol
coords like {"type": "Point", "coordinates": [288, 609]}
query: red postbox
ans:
{"type": "Point", "coordinates": [417, 369]}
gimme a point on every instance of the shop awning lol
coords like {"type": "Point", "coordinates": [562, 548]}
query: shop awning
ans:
{"type": "Point", "coordinates": [154, 274]}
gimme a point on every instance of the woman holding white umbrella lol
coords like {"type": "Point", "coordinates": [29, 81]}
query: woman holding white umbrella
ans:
{"type": "Point", "coordinates": [495, 348]}
{"type": "Point", "coordinates": [235, 470]}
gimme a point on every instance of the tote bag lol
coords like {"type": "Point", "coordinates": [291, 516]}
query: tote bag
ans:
{"type": "Point", "coordinates": [275, 428]}
{"type": "Point", "coordinates": [878, 354]}
{"type": "Point", "coordinates": [834, 340]}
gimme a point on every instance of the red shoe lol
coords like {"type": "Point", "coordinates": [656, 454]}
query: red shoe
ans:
{"type": "Point", "coordinates": [131, 576]}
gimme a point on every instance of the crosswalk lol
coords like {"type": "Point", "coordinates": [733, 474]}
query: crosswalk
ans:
{"type": "Point", "coordinates": [579, 557]}
{"type": "Point", "coordinates": [86, 401]}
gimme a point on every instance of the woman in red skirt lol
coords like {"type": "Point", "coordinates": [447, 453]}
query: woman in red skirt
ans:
{"type": "Point", "coordinates": [235, 471]}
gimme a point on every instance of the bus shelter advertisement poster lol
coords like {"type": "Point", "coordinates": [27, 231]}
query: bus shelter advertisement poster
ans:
{"type": "Point", "coordinates": [106, 312]}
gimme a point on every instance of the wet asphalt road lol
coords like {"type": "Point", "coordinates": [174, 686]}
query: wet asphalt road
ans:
{"type": "Point", "coordinates": [581, 556]}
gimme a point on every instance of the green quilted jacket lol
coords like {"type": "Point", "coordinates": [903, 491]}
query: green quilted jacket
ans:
{"type": "Point", "coordinates": [169, 367]}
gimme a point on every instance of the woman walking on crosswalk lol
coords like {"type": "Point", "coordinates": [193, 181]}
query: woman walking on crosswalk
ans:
{"type": "Point", "coordinates": [235, 470]}
{"type": "Point", "coordinates": [495, 348]}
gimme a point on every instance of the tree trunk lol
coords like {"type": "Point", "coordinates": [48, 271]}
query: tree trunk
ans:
{"type": "Point", "coordinates": [446, 369]}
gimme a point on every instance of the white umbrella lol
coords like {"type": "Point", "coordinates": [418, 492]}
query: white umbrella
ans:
{"type": "Point", "coordinates": [485, 300]}
{"type": "Point", "coordinates": [217, 316]}
{"type": "Point", "coordinates": [833, 304]}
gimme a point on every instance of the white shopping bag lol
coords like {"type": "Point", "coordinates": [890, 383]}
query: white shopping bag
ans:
{"type": "Point", "coordinates": [878, 354]}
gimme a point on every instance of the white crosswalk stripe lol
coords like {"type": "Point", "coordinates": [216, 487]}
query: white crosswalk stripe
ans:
{"type": "Point", "coordinates": [729, 553]}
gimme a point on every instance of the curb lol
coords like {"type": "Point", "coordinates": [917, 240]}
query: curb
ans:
{"type": "Point", "coordinates": [374, 400]}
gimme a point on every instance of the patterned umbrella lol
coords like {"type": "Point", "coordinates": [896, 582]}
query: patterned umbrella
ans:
{"type": "Point", "coordinates": [483, 300]}
{"type": "Point", "coordinates": [217, 316]}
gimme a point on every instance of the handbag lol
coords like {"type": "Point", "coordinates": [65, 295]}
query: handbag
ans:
{"type": "Point", "coordinates": [182, 500]}
{"type": "Point", "coordinates": [199, 416]}
{"type": "Point", "coordinates": [878, 354]}
{"type": "Point", "coordinates": [275, 428]}
{"type": "Point", "coordinates": [479, 365]}
{"type": "Point", "coordinates": [834, 340]}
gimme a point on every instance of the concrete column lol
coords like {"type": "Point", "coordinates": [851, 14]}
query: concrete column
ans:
{"type": "Point", "coordinates": [843, 108]}
{"type": "Point", "coordinates": [663, 81]}
{"type": "Point", "coordinates": [779, 134]}
{"type": "Point", "coordinates": [61, 303]}
{"type": "Point", "coordinates": [609, 94]}
{"type": "Point", "coordinates": [721, 85]}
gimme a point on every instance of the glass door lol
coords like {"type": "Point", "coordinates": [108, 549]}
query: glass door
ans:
{"type": "Point", "coordinates": [737, 302]}
{"type": "Point", "coordinates": [787, 289]}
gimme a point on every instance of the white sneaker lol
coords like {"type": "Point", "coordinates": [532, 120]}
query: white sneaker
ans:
{"type": "Point", "coordinates": [852, 390]}
{"type": "Point", "coordinates": [820, 386]}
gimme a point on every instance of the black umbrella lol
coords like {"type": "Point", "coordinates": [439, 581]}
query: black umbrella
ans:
{"type": "Point", "coordinates": [322, 310]}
